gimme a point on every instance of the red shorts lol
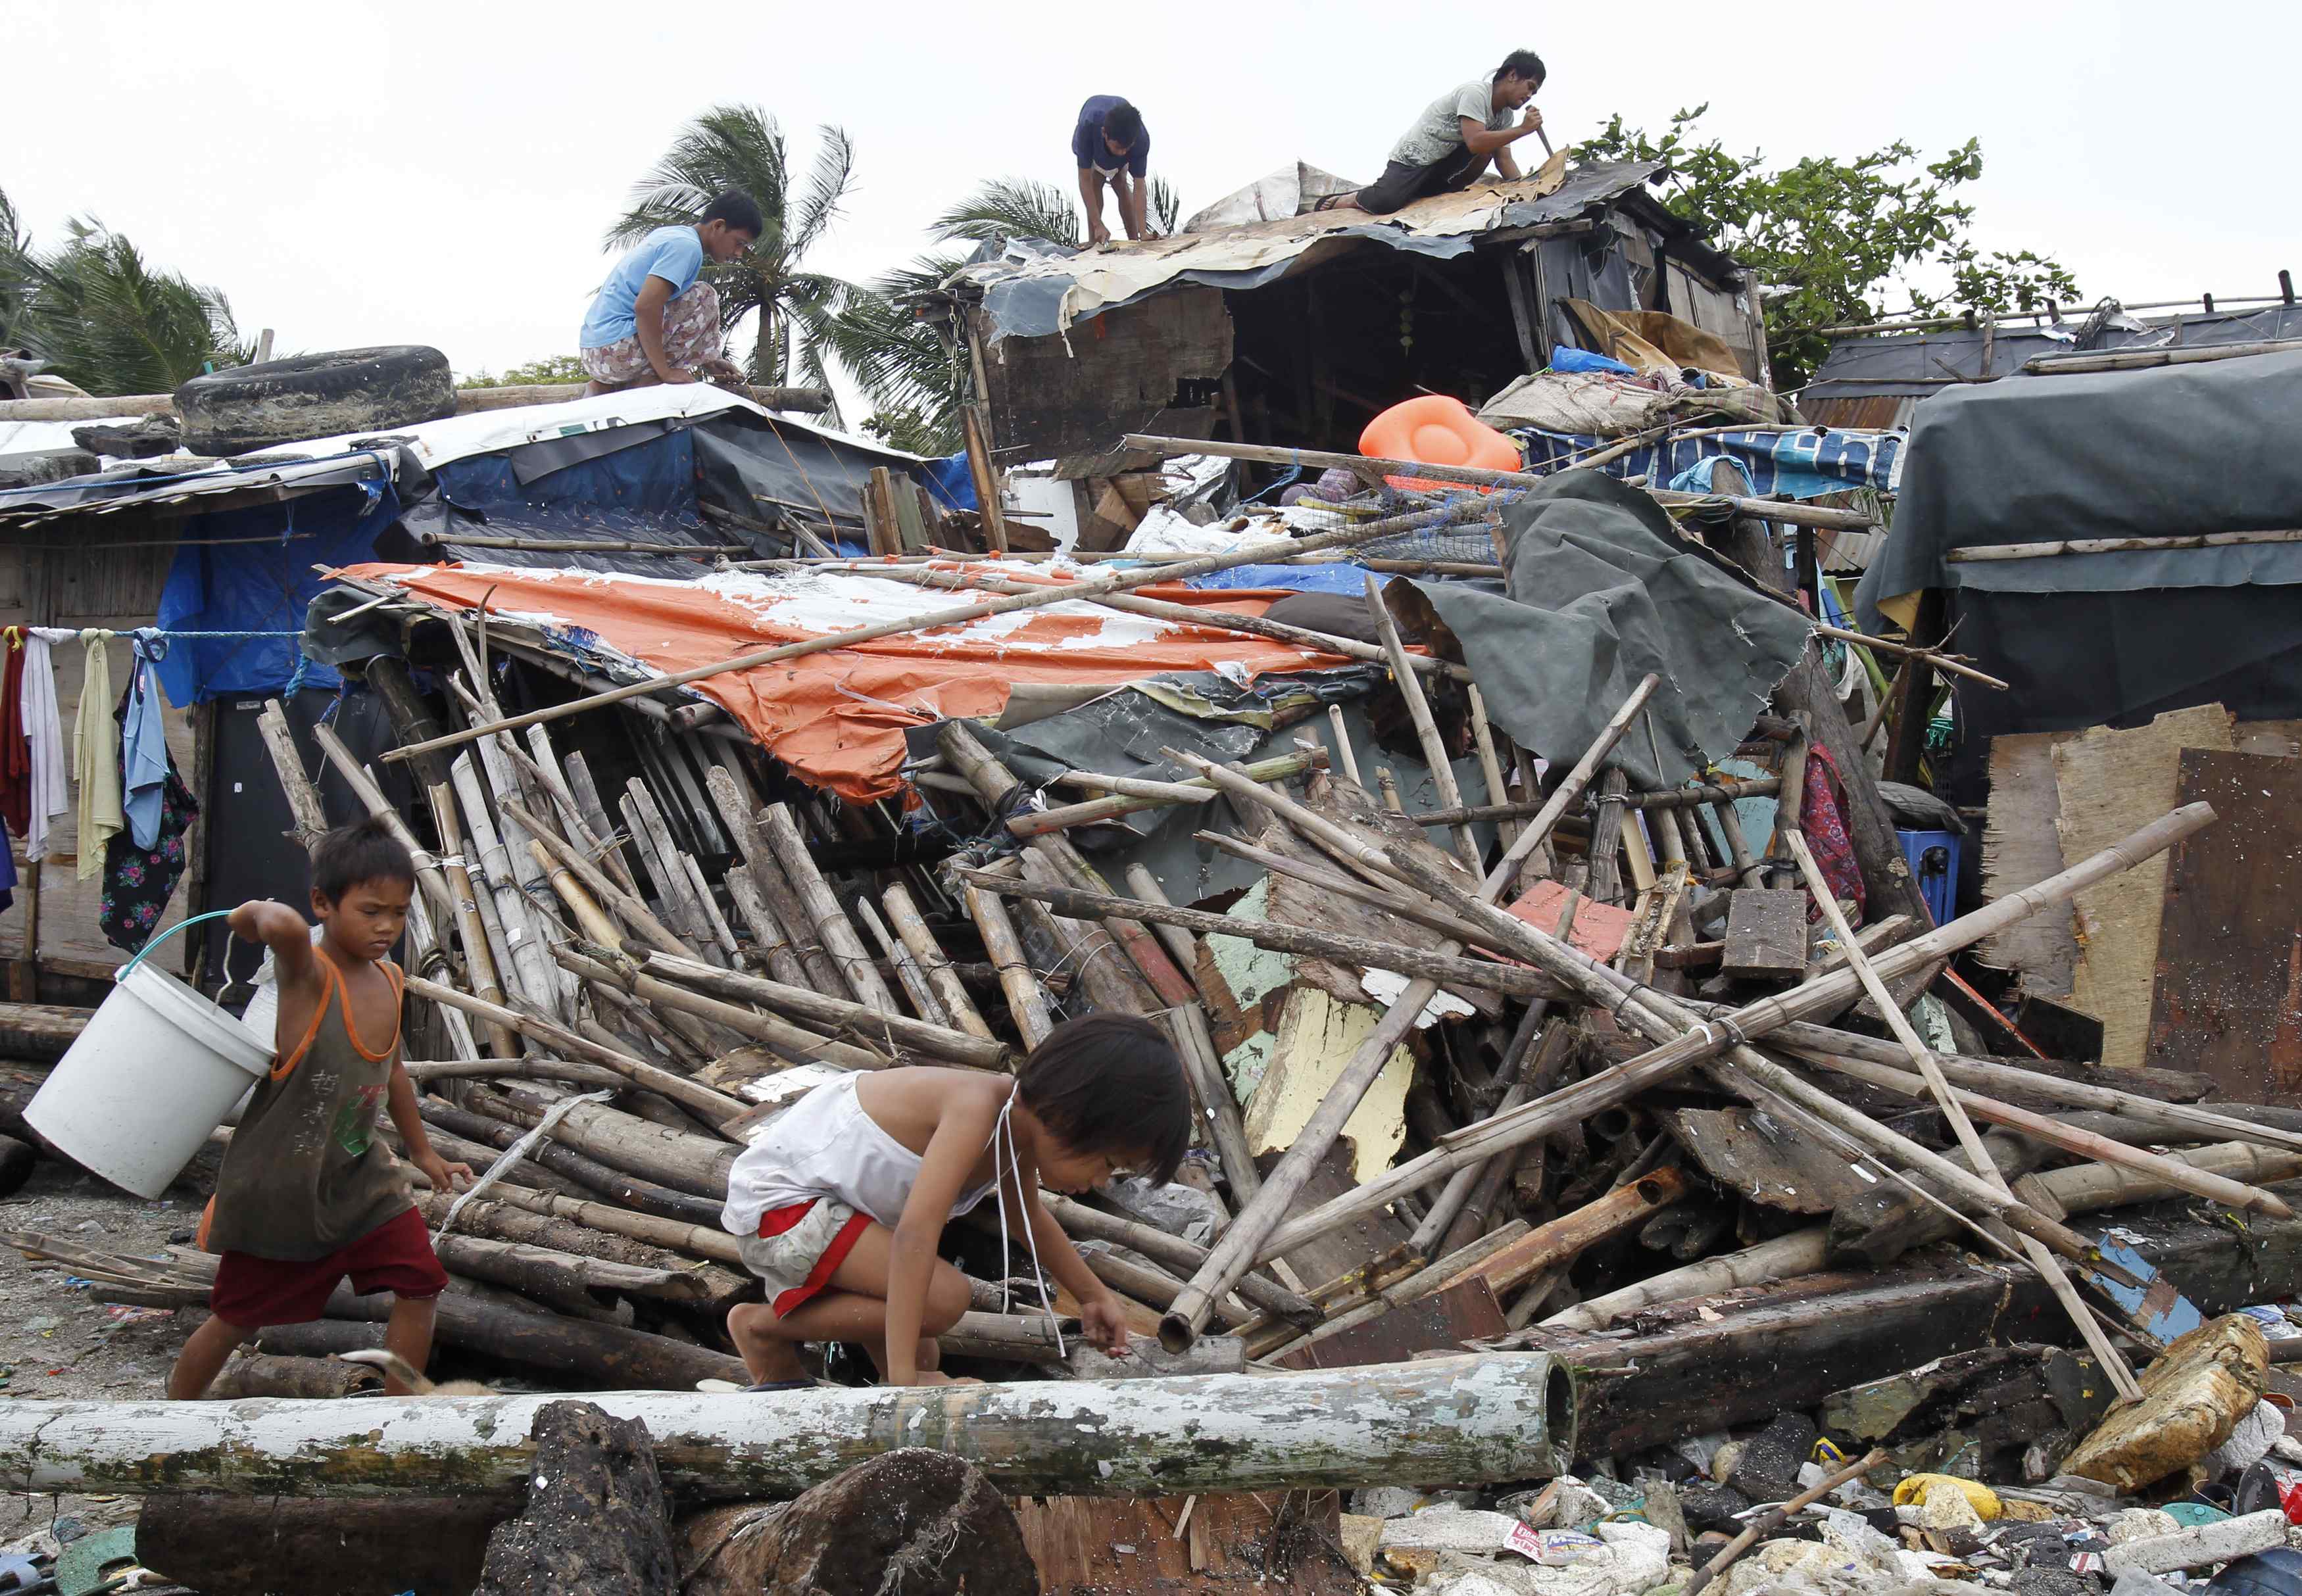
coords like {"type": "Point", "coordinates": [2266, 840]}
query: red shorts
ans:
{"type": "Point", "coordinates": [800, 1247]}
{"type": "Point", "coordinates": [396, 1257]}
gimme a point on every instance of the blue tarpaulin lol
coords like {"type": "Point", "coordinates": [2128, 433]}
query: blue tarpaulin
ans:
{"type": "Point", "coordinates": [950, 481]}
{"type": "Point", "coordinates": [219, 583]}
{"type": "Point", "coordinates": [1804, 464]}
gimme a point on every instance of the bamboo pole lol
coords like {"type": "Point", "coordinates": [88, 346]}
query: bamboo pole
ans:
{"type": "Point", "coordinates": [1426, 730]}
{"type": "Point", "coordinates": [1027, 1002]}
{"type": "Point", "coordinates": [716, 1107]}
{"type": "Point", "coordinates": [1173, 1252]}
{"type": "Point", "coordinates": [778, 905]}
{"type": "Point", "coordinates": [911, 927]}
{"type": "Point", "coordinates": [1226, 1127]}
{"type": "Point", "coordinates": [1570, 1105]}
{"type": "Point", "coordinates": [909, 975]}
{"type": "Point", "coordinates": [1108, 582]}
{"type": "Point", "coordinates": [1181, 946]}
{"type": "Point", "coordinates": [1969, 1139]}
{"type": "Point", "coordinates": [896, 1030]}
{"type": "Point", "coordinates": [1256, 1223]}
{"type": "Point", "coordinates": [1367, 954]}
{"type": "Point", "coordinates": [1571, 1235]}
{"type": "Point", "coordinates": [1031, 823]}
{"type": "Point", "coordinates": [794, 1042]}
{"type": "Point", "coordinates": [781, 832]}
{"type": "Point", "coordinates": [479, 953]}
{"type": "Point", "coordinates": [992, 783]}
{"type": "Point", "coordinates": [523, 937]}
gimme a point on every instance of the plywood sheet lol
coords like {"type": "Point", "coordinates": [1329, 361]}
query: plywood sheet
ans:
{"type": "Point", "coordinates": [2110, 784]}
{"type": "Point", "coordinates": [2227, 997]}
{"type": "Point", "coordinates": [1442, 1322]}
{"type": "Point", "coordinates": [2020, 848]}
{"type": "Point", "coordinates": [1314, 1040]}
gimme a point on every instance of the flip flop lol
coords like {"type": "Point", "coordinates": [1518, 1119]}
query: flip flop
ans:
{"type": "Point", "coordinates": [780, 1385]}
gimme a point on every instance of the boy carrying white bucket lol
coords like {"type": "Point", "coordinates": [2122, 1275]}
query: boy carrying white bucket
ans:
{"type": "Point", "coordinates": [307, 1195]}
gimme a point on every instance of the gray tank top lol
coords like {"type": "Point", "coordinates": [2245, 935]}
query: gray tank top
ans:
{"type": "Point", "coordinates": [305, 1174]}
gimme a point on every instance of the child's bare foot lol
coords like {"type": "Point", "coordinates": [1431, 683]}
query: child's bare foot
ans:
{"type": "Point", "coordinates": [937, 1377]}
{"type": "Point", "coordinates": [766, 1356]}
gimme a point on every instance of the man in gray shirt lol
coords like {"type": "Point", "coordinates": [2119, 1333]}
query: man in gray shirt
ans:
{"type": "Point", "coordinates": [1452, 141]}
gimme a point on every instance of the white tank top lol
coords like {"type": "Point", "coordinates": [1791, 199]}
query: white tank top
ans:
{"type": "Point", "coordinates": [825, 1145]}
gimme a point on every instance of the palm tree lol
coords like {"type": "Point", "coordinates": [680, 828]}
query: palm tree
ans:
{"type": "Point", "coordinates": [913, 369]}
{"type": "Point", "coordinates": [1022, 207]}
{"type": "Point", "coordinates": [104, 318]}
{"type": "Point", "coordinates": [741, 146]}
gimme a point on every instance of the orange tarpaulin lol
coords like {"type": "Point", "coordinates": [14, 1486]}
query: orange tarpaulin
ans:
{"type": "Point", "coordinates": [837, 718]}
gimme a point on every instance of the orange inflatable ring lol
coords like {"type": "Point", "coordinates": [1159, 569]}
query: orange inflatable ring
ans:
{"type": "Point", "coordinates": [1439, 431]}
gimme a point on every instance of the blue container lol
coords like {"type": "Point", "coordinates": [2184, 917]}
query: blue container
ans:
{"type": "Point", "coordinates": [1934, 860]}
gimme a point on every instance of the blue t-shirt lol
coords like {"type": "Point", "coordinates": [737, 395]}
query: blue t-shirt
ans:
{"type": "Point", "coordinates": [674, 253]}
{"type": "Point", "coordinates": [1088, 145]}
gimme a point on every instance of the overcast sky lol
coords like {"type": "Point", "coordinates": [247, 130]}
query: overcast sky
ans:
{"type": "Point", "coordinates": [416, 172]}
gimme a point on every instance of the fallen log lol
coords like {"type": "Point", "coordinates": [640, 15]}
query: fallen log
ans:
{"type": "Point", "coordinates": [620, 1140]}
{"type": "Point", "coordinates": [711, 1284]}
{"type": "Point", "coordinates": [39, 1033]}
{"type": "Point", "coordinates": [644, 1195]}
{"type": "Point", "coordinates": [705, 1240]}
{"type": "Point", "coordinates": [1466, 1420]}
{"type": "Point", "coordinates": [1726, 1362]}
{"type": "Point", "coordinates": [241, 1546]}
{"type": "Point", "coordinates": [607, 1355]}
{"type": "Point", "coordinates": [894, 1030]}
{"type": "Point", "coordinates": [907, 1523]}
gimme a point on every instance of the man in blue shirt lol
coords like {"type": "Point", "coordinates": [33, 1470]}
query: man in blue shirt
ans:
{"type": "Point", "coordinates": [655, 319]}
{"type": "Point", "coordinates": [1112, 147]}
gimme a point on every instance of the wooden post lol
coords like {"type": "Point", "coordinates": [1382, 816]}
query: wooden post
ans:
{"type": "Point", "coordinates": [975, 428]}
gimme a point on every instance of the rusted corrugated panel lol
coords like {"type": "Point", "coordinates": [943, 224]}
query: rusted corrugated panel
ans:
{"type": "Point", "coordinates": [1875, 412]}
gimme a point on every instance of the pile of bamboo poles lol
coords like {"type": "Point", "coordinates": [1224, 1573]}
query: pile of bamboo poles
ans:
{"type": "Point", "coordinates": [614, 984]}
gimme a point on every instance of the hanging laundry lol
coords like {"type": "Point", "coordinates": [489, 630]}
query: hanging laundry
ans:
{"type": "Point", "coordinates": [144, 741]}
{"type": "Point", "coordinates": [138, 882]}
{"type": "Point", "coordinates": [15, 750]}
{"type": "Point", "coordinates": [96, 757]}
{"type": "Point", "coordinates": [43, 731]}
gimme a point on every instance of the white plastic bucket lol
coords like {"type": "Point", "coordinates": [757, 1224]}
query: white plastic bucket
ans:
{"type": "Point", "coordinates": [157, 1069]}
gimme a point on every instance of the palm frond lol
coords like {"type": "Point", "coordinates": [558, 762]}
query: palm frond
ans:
{"type": "Point", "coordinates": [1009, 207]}
{"type": "Point", "coordinates": [826, 188]}
{"type": "Point", "coordinates": [1166, 204]}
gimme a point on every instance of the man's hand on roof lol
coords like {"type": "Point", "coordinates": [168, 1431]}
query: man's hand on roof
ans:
{"type": "Point", "coordinates": [1533, 119]}
{"type": "Point", "coordinates": [677, 374]}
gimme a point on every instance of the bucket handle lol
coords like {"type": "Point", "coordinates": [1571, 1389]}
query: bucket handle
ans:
{"type": "Point", "coordinates": [153, 946]}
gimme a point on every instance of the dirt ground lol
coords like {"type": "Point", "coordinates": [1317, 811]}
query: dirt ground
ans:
{"type": "Point", "coordinates": [54, 1343]}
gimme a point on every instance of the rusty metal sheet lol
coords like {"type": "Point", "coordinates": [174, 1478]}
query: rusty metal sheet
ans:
{"type": "Point", "coordinates": [2227, 996]}
{"type": "Point", "coordinates": [1439, 1322]}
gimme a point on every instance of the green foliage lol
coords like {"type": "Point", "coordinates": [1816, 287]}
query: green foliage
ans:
{"type": "Point", "coordinates": [104, 318]}
{"type": "Point", "coordinates": [914, 369]}
{"type": "Point", "coordinates": [1833, 242]}
{"type": "Point", "coordinates": [551, 368]}
{"type": "Point", "coordinates": [1022, 207]}
{"type": "Point", "coordinates": [741, 146]}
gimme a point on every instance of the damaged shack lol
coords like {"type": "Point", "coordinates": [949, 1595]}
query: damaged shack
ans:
{"type": "Point", "coordinates": [1615, 1164]}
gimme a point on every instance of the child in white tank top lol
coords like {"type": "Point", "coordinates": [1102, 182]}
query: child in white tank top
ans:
{"type": "Point", "coordinates": [842, 1200]}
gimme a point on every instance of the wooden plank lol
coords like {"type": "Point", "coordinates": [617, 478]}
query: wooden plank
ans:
{"type": "Point", "coordinates": [1766, 933]}
{"type": "Point", "coordinates": [2109, 782]}
{"type": "Point", "coordinates": [1139, 1546]}
{"type": "Point", "coordinates": [1313, 1039]}
{"type": "Point", "coordinates": [2228, 996]}
{"type": "Point", "coordinates": [1764, 1160]}
{"type": "Point", "coordinates": [1441, 1321]}
{"type": "Point", "coordinates": [2021, 847]}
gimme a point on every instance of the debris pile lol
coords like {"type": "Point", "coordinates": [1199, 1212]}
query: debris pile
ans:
{"type": "Point", "coordinates": [1590, 1183]}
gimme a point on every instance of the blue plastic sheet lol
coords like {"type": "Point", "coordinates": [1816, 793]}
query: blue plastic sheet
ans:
{"type": "Point", "coordinates": [1338, 578]}
{"type": "Point", "coordinates": [1804, 464]}
{"type": "Point", "coordinates": [220, 584]}
{"type": "Point", "coordinates": [950, 482]}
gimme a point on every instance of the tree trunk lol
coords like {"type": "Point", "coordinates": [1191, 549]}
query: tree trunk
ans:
{"type": "Point", "coordinates": [608, 1354]}
{"type": "Point", "coordinates": [714, 1287]}
{"type": "Point", "coordinates": [596, 1519]}
{"type": "Point", "coordinates": [1466, 1420]}
{"type": "Point", "coordinates": [911, 1523]}
{"type": "Point", "coordinates": [237, 1546]}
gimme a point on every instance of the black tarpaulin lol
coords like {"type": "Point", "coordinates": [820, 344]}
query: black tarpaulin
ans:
{"type": "Point", "coordinates": [1600, 589]}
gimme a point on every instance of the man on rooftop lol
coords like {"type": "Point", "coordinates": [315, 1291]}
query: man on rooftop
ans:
{"type": "Point", "coordinates": [1112, 148]}
{"type": "Point", "coordinates": [655, 319]}
{"type": "Point", "coordinates": [1456, 135]}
